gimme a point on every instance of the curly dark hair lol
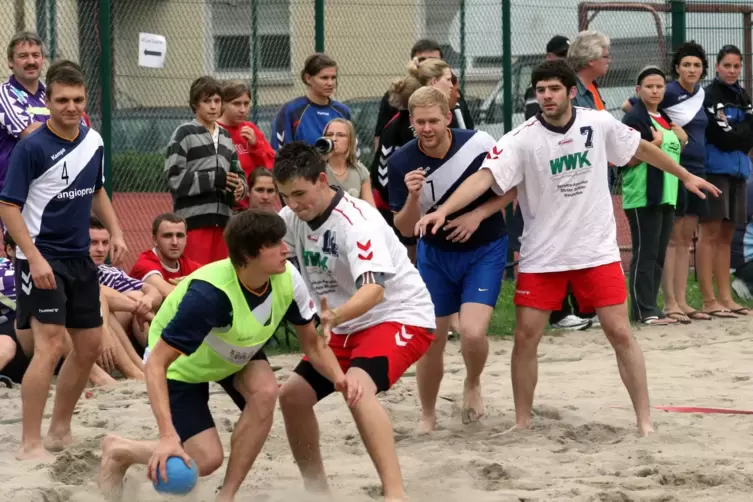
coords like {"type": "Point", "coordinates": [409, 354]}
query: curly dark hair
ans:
{"type": "Point", "coordinates": [558, 69]}
{"type": "Point", "coordinates": [690, 49]}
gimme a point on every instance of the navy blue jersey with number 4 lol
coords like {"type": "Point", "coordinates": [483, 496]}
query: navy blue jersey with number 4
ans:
{"type": "Point", "coordinates": [442, 176]}
{"type": "Point", "coordinates": [53, 181]}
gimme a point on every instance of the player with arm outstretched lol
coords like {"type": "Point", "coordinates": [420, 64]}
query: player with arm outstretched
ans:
{"type": "Point", "coordinates": [373, 302]}
{"type": "Point", "coordinates": [555, 160]}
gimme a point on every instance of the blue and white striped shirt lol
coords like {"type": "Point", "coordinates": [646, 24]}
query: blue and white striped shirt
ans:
{"type": "Point", "coordinates": [8, 291]}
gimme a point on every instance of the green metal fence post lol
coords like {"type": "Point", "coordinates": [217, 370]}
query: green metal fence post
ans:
{"type": "Point", "coordinates": [254, 61]}
{"type": "Point", "coordinates": [319, 25]}
{"type": "Point", "coordinates": [105, 50]}
{"type": "Point", "coordinates": [506, 66]}
{"type": "Point", "coordinates": [462, 46]}
{"type": "Point", "coordinates": [53, 29]}
{"type": "Point", "coordinates": [678, 23]}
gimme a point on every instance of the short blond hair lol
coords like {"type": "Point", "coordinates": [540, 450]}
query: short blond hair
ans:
{"type": "Point", "coordinates": [429, 96]}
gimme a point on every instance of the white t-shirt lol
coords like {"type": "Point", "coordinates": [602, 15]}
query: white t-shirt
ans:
{"type": "Point", "coordinates": [563, 188]}
{"type": "Point", "coordinates": [349, 240]}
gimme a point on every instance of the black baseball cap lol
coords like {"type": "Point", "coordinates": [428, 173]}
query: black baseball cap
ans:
{"type": "Point", "coordinates": [558, 45]}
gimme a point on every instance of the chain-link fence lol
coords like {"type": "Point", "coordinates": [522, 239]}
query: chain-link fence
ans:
{"type": "Point", "coordinates": [265, 42]}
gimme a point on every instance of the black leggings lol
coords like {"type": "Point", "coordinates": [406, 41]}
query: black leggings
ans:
{"type": "Point", "coordinates": [650, 229]}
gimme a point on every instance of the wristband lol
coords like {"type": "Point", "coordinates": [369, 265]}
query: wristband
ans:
{"type": "Point", "coordinates": [337, 317]}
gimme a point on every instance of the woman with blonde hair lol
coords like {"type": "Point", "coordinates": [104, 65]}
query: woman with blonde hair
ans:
{"type": "Point", "coordinates": [398, 131]}
{"type": "Point", "coordinates": [343, 168]}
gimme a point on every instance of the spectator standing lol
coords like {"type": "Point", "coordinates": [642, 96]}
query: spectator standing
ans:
{"type": "Point", "coordinates": [250, 144]}
{"type": "Point", "coordinates": [649, 196]}
{"type": "Point", "coordinates": [729, 139]}
{"type": "Point", "coordinates": [422, 50]}
{"type": "Point", "coordinates": [203, 175]}
{"type": "Point", "coordinates": [304, 118]}
{"type": "Point", "coordinates": [22, 97]}
{"type": "Point", "coordinates": [343, 168]}
{"type": "Point", "coordinates": [588, 55]}
{"type": "Point", "coordinates": [683, 103]}
{"type": "Point", "coordinates": [165, 264]}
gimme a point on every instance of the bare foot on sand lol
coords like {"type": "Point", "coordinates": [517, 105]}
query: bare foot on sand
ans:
{"type": "Point", "coordinates": [645, 429]}
{"type": "Point", "coordinates": [512, 430]}
{"type": "Point", "coordinates": [34, 451]}
{"type": "Point", "coordinates": [427, 424]}
{"type": "Point", "coordinates": [473, 404]}
{"type": "Point", "coordinates": [112, 470]}
{"type": "Point", "coordinates": [58, 442]}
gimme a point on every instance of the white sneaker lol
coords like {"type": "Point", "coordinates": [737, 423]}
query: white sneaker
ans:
{"type": "Point", "coordinates": [595, 323]}
{"type": "Point", "coordinates": [572, 323]}
{"type": "Point", "coordinates": [739, 287]}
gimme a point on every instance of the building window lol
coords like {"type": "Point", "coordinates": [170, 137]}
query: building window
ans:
{"type": "Point", "coordinates": [233, 42]}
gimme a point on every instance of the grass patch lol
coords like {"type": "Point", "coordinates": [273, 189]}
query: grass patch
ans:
{"type": "Point", "coordinates": [503, 318]}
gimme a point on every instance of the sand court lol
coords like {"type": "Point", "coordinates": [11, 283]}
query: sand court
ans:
{"type": "Point", "coordinates": [583, 446]}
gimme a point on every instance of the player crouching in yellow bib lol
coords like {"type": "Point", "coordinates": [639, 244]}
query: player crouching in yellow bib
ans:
{"type": "Point", "coordinates": [212, 328]}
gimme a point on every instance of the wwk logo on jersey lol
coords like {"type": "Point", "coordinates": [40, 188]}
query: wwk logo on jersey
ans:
{"type": "Point", "coordinates": [570, 162]}
{"type": "Point", "coordinates": [318, 259]}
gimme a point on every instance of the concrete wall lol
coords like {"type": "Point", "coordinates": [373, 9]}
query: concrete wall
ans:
{"type": "Point", "coordinates": [371, 44]}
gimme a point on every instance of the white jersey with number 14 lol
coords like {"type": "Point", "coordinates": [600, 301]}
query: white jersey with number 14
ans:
{"type": "Point", "coordinates": [563, 188]}
{"type": "Point", "coordinates": [355, 240]}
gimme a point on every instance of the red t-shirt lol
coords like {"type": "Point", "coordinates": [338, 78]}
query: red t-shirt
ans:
{"type": "Point", "coordinates": [250, 156]}
{"type": "Point", "coordinates": [148, 263]}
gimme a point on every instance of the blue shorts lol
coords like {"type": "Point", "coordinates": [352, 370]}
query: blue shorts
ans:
{"type": "Point", "coordinates": [457, 277]}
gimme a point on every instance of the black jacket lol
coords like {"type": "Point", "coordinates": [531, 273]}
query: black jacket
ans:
{"type": "Point", "coordinates": [387, 112]}
{"type": "Point", "coordinates": [729, 141]}
{"type": "Point", "coordinates": [396, 133]}
{"type": "Point", "coordinates": [531, 106]}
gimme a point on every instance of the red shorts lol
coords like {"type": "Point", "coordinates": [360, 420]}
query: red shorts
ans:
{"type": "Point", "coordinates": [595, 287]}
{"type": "Point", "coordinates": [384, 351]}
{"type": "Point", "coordinates": [205, 245]}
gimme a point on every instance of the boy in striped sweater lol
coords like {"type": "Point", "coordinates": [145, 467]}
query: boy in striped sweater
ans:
{"type": "Point", "coordinates": [203, 174]}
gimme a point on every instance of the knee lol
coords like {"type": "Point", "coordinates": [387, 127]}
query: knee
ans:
{"type": "Point", "coordinates": [472, 333]}
{"type": "Point", "coordinates": [90, 351]}
{"type": "Point", "coordinates": [210, 461]}
{"type": "Point", "coordinates": [7, 348]}
{"type": "Point", "coordinates": [710, 233]}
{"type": "Point", "coordinates": [620, 337]}
{"type": "Point", "coordinates": [265, 397]}
{"type": "Point", "coordinates": [51, 344]}
{"type": "Point", "coordinates": [525, 340]}
{"type": "Point", "coordinates": [293, 396]}
{"type": "Point", "coordinates": [437, 346]}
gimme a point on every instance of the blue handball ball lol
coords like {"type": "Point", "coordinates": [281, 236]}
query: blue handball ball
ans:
{"type": "Point", "coordinates": [180, 479]}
